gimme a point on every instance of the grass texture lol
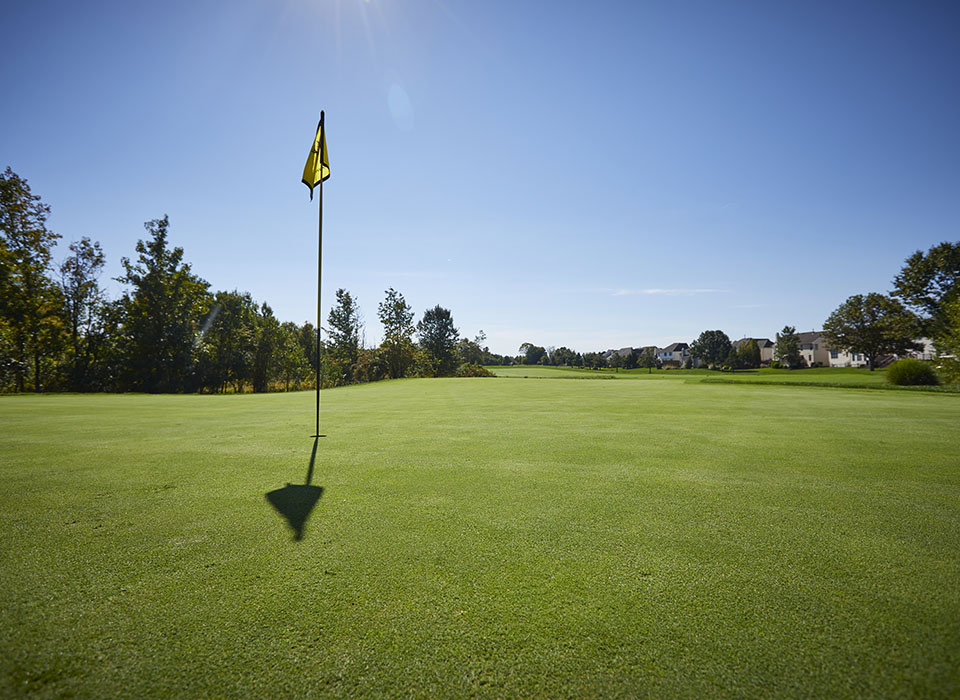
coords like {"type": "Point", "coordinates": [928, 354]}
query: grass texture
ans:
{"type": "Point", "coordinates": [484, 538]}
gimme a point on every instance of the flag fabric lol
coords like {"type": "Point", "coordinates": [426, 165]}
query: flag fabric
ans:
{"type": "Point", "coordinates": [317, 168]}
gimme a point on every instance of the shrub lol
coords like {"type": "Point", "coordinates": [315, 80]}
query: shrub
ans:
{"type": "Point", "coordinates": [776, 365]}
{"type": "Point", "coordinates": [908, 372]}
{"type": "Point", "coordinates": [473, 370]}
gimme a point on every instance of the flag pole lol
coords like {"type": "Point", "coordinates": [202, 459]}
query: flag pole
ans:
{"type": "Point", "coordinates": [319, 271]}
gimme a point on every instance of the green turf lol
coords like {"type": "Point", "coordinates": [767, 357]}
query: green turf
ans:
{"type": "Point", "coordinates": [484, 538]}
{"type": "Point", "coordinates": [842, 376]}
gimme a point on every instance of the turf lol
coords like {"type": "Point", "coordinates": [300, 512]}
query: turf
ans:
{"type": "Point", "coordinates": [840, 376]}
{"type": "Point", "coordinates": [484, 538]}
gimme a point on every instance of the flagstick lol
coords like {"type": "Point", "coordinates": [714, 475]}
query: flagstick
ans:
{"type": "Point", "coordinates": [319, 271]}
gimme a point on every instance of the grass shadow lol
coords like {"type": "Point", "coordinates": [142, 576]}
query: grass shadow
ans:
{"type": "Point", "coordinates": [295, 502]}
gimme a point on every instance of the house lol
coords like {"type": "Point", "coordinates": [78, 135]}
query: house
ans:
{"type": "Point", "coordinates": [813, 350]}
{"type": "Point", "coordinates": [842, 358]}
{"type": "Point", "coordinates": [675, 354]}
{"type": "Point", "coordinates": [766, 349]}
{"type": "Point", "coordinates": [622, 352]}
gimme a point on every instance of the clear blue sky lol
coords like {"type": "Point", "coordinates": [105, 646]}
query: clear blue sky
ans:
{"type": "Point", "coordinates": [590, 174]}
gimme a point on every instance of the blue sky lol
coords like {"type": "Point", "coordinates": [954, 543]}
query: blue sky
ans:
{"type": "Point", "coordinates": [585, 174]}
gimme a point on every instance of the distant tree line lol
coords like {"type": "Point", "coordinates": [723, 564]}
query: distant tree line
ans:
{"type": "Point", "coordinates": [169, 332]}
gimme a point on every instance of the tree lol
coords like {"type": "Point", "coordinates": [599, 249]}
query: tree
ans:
{"type": "Point", "coordinates": [396, 316]}
{"type": "Point", "coordinates": [29, 301]}
{"type": "Point", "coordinates": [594, 360]}
{"type": "Point", "coordinates": [343, 345]}
{"type": "Point", "coordinates": [874, 325]}
{"type": "Point", "coordinates": [532, 353]}
{"type": "Point", "coordinates": [927, 281]}
{"type": "Point", "coordinates": [648, 359]}
{"type": "Point", "coordinates": [787, 348]}
{"type": "Point", "coordinates": [307, 337]}
{"type": "Point", "coordinates": [564, 356]}
{"type": "Point", "coordinates": [733, 361]}
{"type": "Point", "coordinates": [438, 337]}
{"type": "Point", "coordinates": [630, 360]}
{"type": "Point", "coordinates": [471, 352]}
{"type": "Point", "coordinates": [162, 315]}
{"type": "Point", "coordinates": [266, 339]}
{"type": "Point", "coordinates": [292, 364]}
{"type": "Point", "coordinates": [948, 342]}
{"type": "Point", "coordinates": [748, 353]}
{"type": "Point", "coordinates": [83, 307]}
{"type": "Point", "coordinates": [712, 348]}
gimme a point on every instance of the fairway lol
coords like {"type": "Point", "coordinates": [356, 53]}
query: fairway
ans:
{"type": "Point", "coordinates": [484, 538]}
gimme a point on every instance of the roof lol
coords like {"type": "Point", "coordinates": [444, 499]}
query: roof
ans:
{"type": "Point", "coordinates": [675, 347]}
{"type": "Point", "coordinates": [761, 342]}
{"type": "Point", "coordinates": [809, 337]}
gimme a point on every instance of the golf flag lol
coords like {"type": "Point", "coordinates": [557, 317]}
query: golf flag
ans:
{"type": "Point", "coordinates": [317, 168]}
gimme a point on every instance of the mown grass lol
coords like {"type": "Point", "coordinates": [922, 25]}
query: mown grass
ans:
{"type": "Point", "coordinates": [484, 538]}
{"type": "Point", "coordinates": [814, 376]}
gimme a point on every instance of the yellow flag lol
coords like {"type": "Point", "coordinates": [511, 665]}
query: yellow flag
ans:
{"type": "Point", "coordinates": [317, 168]}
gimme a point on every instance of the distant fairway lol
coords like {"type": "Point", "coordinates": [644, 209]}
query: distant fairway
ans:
{"type": "Point", "coordinates": [830, 375]}
{"type": "Point", "coordinates": [484, 537]}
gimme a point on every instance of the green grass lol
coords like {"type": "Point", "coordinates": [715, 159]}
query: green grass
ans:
{"type": "Point", "coordinates": [484, 538]}
{"type": "Point", "coordinates": [817, 376]}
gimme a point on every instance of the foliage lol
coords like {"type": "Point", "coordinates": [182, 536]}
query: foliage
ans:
{"type": "Point", "coordinates": [910, 371]}
{"type": "Point", "coordinates": [531, 354]}
{"type": "Point", "coordinates": [930, 280]}
{"type": "Point", "coordinates": [787, 348]}
{"type": "Point", "coordinates": [85, 313]}
{"type": "Point", "coordinates": [948, 341]}
{"type": "Point", "coordinates": [748, 353]}
{"type": "Point", "coordinates": [874, 325]}
{"type": "Point", "coordinates": [343, 333]}
{"type": "Point", "coordinates": [733, 361]}
{"type": "Point", "coordinates": [29, 301]}
{"type": "Point", "coordinates": [711, 348]}
{"type": "Point", "coordinates": [438, 337]}
{"type": "Point", "coordinates": [473, 370]}
{"type": "Point", "coordinates": [648, 360]}
{"type": "Point", "coordinates": [162, 315]}
{"type": "Point", "coordinates": [471, 351]}
{"type": "Point", "coordinates": [396, 316]}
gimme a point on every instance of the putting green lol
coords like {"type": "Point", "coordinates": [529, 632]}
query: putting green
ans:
{"type": "Point", "coordinates": [483, 537]}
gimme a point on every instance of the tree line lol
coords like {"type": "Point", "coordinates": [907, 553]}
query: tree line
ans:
{"type": "Point", "coordinates": [169, 332]}
{"type": "Point", "coordinates": [924, 303]}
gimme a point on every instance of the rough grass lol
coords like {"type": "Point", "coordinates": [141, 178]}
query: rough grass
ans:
{"type": "Point", "coordinates": [484, 538]}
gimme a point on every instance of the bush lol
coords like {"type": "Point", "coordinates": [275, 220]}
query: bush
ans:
{"type": "Point", "coordinates": [910, 372]}
{"type": "Point", "coordinates": [473, 370]}
{"type": "Point", "coordinates": [776, 365]}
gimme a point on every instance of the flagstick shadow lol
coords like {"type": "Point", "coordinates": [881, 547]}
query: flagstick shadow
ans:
{"type": "Point", "coordinates": [295, 502]}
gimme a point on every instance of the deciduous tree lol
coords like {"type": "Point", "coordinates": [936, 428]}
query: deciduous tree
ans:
{"type": "Point", "coordinates": [29, 301]}
{"type": "Point", "coordinates": [343, 333]}
{"type": "Point", "coordinates": [874, 325]}
{"type": "Point", "coordinates": [438, 336]}
{"type": "Point", "coordinates": [162, 315]}
{"type": "Point", "coordinates": [712, 347]}
{"type": "Point", "coordinates": [396, 316]}
{"type": "Point", "coordinates": [83, 307]}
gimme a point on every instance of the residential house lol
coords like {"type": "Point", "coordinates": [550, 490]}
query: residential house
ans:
{"type": "Point", "coordinates": [674, 355]}
{"type": "Point", "coordinates": [813, 350]}
{"type": "Point", "coordinates": [842, 358]}
{"type": "Point", "coordinates": [766, 349]}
